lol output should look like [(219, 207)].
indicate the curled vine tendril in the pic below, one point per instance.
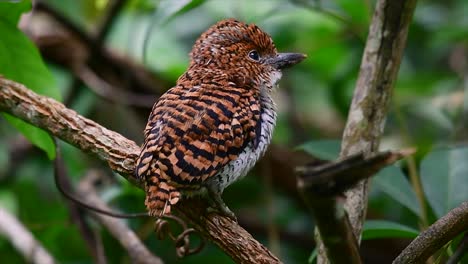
[(162, 226), (182, 240)]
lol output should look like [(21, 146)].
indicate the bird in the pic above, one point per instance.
[(211, 128)]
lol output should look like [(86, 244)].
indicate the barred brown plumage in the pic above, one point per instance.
[(211, 128)]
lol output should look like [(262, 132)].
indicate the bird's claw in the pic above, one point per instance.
[(218, 205), (225, 211)]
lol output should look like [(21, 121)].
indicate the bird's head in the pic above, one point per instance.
[(245, 53)]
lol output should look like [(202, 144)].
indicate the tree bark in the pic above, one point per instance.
[(121, 153), (366, 120), (436, 236), (137, 251), (23, 240)]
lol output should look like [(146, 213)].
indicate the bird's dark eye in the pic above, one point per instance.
[(254, 55)]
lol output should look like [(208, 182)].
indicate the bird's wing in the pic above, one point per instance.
[(192, 133)]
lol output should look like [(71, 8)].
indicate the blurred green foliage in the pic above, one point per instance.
[(21, 62), (428, 111)]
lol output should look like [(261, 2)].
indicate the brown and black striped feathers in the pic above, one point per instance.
[(192, 133), (213, 117)]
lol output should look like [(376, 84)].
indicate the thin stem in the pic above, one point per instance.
[(414, 176), (461, 250), (354, 29)]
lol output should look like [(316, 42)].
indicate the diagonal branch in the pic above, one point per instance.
[(436, 236), (137, 252), (46, 113), (89, 51), (23, 240), (121, 153), (77, 214), (322, 188)]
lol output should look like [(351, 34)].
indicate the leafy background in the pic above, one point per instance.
[(428, 112)]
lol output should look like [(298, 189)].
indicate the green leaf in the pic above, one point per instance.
[(10, 12), (444, 178), (384, 229), (21, 62), (324, 149), (37, 136), (393, 182)]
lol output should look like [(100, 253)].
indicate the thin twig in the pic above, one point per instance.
[(413, 173), (127, 238), (461, 250), (92, 240), (112, 67), (110, 17), (182, 240), (107, 92), (23, 240), (317, 7), (40, 5), (436, 236), (163, 229)]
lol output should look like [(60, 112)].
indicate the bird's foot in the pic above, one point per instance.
[(218, 206), (225, 211)]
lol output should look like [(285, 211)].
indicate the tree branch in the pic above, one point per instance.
[(23, 240), (78, 214), (128, 239), (322, 188), (52, 116), (110, 16), (121, 153), (379, 69), (436, 236), (366, 120), (89, 51)]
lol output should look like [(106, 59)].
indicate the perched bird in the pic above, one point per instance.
[(211, 128)]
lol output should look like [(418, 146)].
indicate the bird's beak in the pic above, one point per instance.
[(285, 60)]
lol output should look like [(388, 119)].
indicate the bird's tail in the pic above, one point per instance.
[(160, 196)]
